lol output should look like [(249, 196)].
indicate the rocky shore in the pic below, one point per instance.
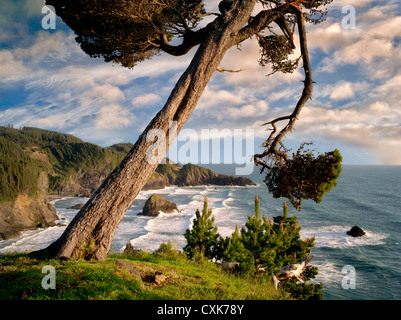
[(35, 162), (25, 213), (83, 184)]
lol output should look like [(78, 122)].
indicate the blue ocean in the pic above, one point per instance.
[(366, 196)]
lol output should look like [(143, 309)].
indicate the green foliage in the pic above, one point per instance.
[(168, 171), (292, 248), (256, 237), (267, 246), (71, 157), (275, 51), (18, 172), (121, 147), (304, 176), (304, 291), (202, 237), (21, 279), (67, 156), (126, 31), (28, 137), (167, 250), (231, 249)]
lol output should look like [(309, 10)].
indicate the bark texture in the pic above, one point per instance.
[(90, 233)]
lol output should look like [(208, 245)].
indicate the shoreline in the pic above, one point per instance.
[(52, 197)]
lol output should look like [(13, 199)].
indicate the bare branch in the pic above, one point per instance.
[(273, 142)]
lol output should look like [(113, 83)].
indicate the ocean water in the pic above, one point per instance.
[(367, 196)]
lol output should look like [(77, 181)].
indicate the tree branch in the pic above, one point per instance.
[(191, 39), (260, 22), (272, 142)]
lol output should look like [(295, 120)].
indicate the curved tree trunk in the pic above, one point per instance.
[(90, 233)]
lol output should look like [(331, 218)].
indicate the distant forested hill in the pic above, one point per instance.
[(56, 160), (33, 159), (35, 162)]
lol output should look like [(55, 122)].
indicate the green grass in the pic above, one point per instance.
[(21, 278)]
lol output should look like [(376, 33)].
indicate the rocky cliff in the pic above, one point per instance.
[(25, 213), (84, 183), (35, 161)]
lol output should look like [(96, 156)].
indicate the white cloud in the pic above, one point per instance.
[(102, 93), (330, 37), (146, 99), (364, 51), (10, 68), (374, 125), (113, 117), (374, 41), (94, 100), (212, 99), (52, 121), (342, 91), (248, 111)]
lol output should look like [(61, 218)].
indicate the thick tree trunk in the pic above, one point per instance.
[(90, 233)]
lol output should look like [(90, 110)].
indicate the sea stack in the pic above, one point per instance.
[(356, 232), (157, 203)]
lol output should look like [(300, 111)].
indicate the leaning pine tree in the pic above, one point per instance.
[(127, 32)]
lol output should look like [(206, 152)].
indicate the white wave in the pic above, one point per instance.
[(328, 273), (226, 231), (60, 199), (151, 241), (336, 237), (189, 191), (169, 222), (143, 232), (227, 201), (32, 240), (145, 194), (133, 225)]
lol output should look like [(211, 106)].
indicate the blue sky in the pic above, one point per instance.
[(46, 81)]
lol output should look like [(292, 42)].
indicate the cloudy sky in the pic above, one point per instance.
[(46, 81)]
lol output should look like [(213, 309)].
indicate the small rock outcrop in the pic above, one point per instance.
[(356, 232), (159, 278), (129, 267), (157, 203)]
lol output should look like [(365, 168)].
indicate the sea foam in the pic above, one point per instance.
[(336, 236)]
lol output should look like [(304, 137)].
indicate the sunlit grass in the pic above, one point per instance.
[(21, 278)]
